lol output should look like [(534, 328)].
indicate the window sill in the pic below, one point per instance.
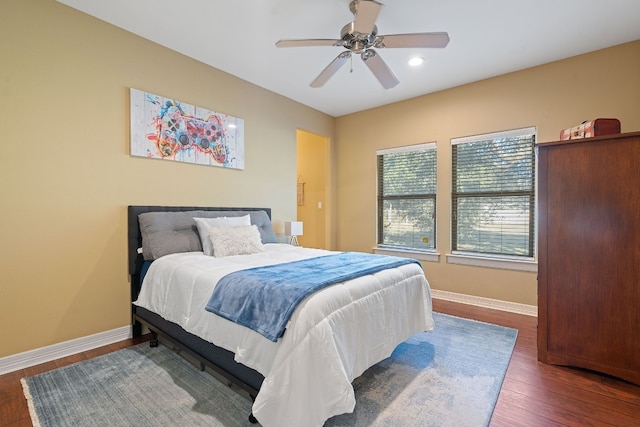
[(493, 262), (419, 255)]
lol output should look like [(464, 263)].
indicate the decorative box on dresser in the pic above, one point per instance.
[(589, 254)]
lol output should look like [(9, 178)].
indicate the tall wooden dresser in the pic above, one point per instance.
[(589, 254)]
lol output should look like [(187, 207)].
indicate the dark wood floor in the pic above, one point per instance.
[(533, 394)]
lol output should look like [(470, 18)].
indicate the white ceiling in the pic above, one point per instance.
[(488, 38)]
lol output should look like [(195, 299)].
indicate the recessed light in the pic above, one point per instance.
[(415, 61)]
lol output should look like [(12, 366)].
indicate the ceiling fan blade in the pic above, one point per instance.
[(413, 40), (366, 12), (331, 69), (379, 69), (308, 42)]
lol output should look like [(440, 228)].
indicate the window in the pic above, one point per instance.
[(493, 194), (407, 197)]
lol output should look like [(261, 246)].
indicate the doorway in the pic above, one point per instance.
[(312, 171)]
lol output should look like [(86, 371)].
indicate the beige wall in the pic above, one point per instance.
[(550, 97), (67, 176), (312, 159)]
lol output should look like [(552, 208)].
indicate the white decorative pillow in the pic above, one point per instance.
[(227, 241), (204, 224)]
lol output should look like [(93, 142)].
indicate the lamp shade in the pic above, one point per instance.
[(293, 228)]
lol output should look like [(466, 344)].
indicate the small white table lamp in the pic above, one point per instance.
[(293, 229)]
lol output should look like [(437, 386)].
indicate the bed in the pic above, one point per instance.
[(300, 377)]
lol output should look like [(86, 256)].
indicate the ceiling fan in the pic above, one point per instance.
[(361, 37)]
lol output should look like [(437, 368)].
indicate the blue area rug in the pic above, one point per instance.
[(450, 376)]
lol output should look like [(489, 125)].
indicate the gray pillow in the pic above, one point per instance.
[(166, 233)]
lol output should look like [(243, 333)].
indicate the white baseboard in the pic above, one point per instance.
[(67, 348), (512, 307), (63, 349)]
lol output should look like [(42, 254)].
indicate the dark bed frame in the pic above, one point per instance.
[(205, 353)]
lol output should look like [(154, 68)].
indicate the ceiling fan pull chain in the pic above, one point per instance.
[(351, 63)]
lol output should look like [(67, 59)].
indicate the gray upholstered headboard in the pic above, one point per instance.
[(185, 227)]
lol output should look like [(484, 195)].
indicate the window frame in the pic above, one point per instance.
[(382, 247), (464, 256)]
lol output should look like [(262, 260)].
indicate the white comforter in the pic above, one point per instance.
[(332, 338)]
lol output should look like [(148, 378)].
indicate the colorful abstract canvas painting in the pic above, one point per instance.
[(164, 128)]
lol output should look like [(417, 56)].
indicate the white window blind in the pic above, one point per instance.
[(493, 193), (407, 197)]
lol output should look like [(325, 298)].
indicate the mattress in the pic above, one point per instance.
[(332, 337)]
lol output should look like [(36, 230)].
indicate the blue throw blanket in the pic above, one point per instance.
[(264, 298)]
